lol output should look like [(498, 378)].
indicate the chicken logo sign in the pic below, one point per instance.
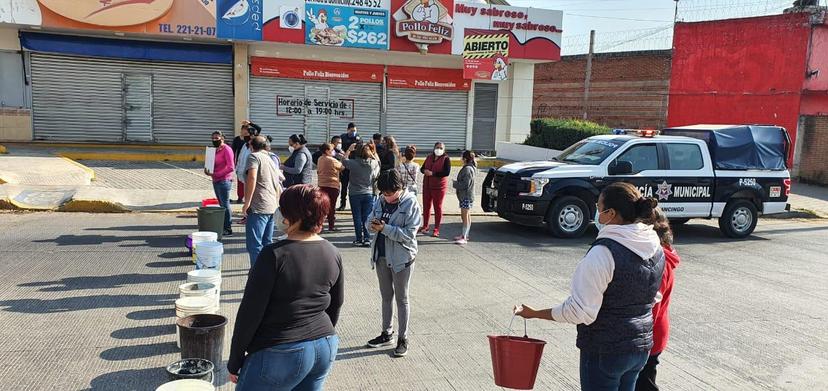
[(424, 22), (110, 13), (485, 55)]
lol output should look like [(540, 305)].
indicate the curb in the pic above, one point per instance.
[(88, 170), (795, 214), (138, 157)]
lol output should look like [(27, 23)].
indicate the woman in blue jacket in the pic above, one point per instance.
[(395, 218)]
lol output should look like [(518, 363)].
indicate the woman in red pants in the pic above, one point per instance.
[(436, 170)]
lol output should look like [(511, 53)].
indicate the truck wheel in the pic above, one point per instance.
[(739, 219), (568, 217), (678, 221)]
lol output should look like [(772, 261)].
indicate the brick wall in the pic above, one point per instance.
[(628, 90), (813, 166)]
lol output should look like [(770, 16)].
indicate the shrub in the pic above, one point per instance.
[(558, 133)]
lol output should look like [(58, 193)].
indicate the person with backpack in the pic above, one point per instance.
[(613, 291), (409, 169)]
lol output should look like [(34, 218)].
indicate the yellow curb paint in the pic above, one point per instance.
[(23, 205), (3, 150), (81, 166), (93, 206), (114, 146), (139, 157)]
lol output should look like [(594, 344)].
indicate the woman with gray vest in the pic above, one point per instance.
[(298, 167), (613, 291)]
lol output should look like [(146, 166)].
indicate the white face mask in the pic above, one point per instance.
[(331, 153), (339, 146), (598, 224), (439, 152), (291, 149)]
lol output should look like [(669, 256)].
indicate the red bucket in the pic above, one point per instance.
[(515, 360), (209, 201)]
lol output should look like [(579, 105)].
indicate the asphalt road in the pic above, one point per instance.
[(88, 304)]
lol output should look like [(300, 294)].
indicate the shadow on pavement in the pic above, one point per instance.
[(66, 304), (144, 331), (186, 262), (140, 228), (102, 282), (362, 351), (159, 313), (81, 240), (130, 379), (123, 353)]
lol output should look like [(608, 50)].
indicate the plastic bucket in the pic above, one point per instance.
[(191, 368), (515, 360), (212, 276), (202, 336), (198, 289), (211, 219), (209, 201), (208, 255), (200, 237), (187, 385)]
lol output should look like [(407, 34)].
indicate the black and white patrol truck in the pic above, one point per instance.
[(733, 173)]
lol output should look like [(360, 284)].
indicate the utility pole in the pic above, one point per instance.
[(675, 13), (588, 72)]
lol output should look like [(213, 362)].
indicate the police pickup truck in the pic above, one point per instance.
[(730, 172)]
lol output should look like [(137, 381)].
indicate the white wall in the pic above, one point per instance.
[(514, 103)]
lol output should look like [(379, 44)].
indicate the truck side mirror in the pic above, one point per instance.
[(620, 167)]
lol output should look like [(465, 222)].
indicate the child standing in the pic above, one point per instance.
[(409, 169), (464, 186)]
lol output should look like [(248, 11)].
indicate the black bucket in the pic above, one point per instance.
[(191, 368), (202, 336)]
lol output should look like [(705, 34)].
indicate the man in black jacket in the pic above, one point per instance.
[(348, 138)]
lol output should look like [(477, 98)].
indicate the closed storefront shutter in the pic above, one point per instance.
[(86, 99), (362, 101), (424, 117)]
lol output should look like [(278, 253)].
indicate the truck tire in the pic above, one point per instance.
[(568, 217), (739, 219)]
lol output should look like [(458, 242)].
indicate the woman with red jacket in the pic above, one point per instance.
[(436, 169), (661, 319)]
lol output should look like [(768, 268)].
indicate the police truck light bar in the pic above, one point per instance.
[(636, 132)]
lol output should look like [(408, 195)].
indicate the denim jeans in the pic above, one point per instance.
[(258, 233), (300, 366), (361, 205), (616, 372), (222, 190)]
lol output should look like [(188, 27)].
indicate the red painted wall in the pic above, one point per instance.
[(818, 60), (739, 71)]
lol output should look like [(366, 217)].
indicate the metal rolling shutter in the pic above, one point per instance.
[(191, 101), (76, 99), (263, 92), (423, 117), (81, 99)]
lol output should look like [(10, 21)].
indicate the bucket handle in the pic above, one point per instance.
[(525, 335)]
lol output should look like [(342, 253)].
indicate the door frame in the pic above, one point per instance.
[(472, 107)]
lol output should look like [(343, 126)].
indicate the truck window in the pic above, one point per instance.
[(642, 157), (685, 156), (589, 152)]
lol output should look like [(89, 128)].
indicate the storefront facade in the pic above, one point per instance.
[(393, 67)]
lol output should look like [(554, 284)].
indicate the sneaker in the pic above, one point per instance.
[(384, 339), (436, 233), (357, 243), (461, 241), (366, 243), (228, 232), (402, 347)]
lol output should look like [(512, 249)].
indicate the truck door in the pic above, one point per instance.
[(685, 186), (645, 162)]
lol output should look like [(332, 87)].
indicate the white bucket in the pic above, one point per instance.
[(202, 237), (198, 289), (186, 385), (208, 255), (211, 276)]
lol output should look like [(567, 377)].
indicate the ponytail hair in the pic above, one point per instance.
[(661, 225), (298, 139), (627, 201)]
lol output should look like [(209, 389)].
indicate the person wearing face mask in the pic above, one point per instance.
[(252, 130), (436, 169), (328, 171), (238, 143), (223, 176), (285, 335), (348, 138), (395, 219), (614, 289), (298, 167)]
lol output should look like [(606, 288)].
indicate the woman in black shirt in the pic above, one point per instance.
[(284, 337)]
